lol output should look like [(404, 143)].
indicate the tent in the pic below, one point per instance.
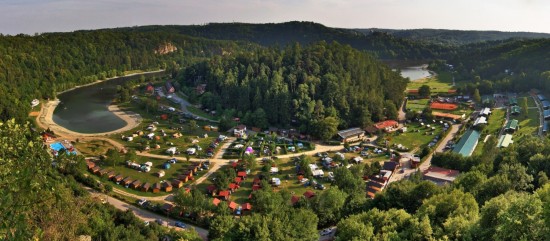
[(166, 165)]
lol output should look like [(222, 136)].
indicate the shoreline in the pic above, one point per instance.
[(45, 117), (100, 81)]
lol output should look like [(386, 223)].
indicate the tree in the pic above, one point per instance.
[(451, 214), (476, 97), (220, 226), (424, 91), (347, 182), (524, 108), (329, 205), (326, 128)]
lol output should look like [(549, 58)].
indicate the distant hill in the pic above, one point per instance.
[(453, 37), (384, 45)]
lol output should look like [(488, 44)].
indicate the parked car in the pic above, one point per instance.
[(160, 221), (146, 223), (180, 224), (142, 201)]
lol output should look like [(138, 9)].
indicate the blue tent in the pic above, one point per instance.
[(166, 165)]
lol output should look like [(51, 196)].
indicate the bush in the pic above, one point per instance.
[(332, 143)]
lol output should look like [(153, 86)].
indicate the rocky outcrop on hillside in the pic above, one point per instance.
[(165, 48)]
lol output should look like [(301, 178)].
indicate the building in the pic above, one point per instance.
[(387, 125), (505, 141), (467, 143), (512, 101), (546, 114), (169, 87), (351, 135), (440, 176), (239, 131), (512, 126), (545, 104), (545, 127), (485, 112), (480, 120), (515, 110), (541, 97), (145, 187)]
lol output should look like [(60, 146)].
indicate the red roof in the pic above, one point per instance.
[(451, 91), (309, 194), (247, 206), (216, 201), (233, 205), (234, 164), (233, 186), (211, 188), (443, 106), (385, 124), (413, 91), (241, 174), (294, 199), (224, 193), (442, 171), (256, 180), (238, 180), (256, 187)]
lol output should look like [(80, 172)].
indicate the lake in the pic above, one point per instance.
[(85, 109), (415, 72)]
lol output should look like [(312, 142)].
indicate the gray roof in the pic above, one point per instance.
[(350, 132)]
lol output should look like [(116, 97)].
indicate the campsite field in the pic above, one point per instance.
[(417, 104), (495, 122), (93, 148), (416, 136), (528, 125)]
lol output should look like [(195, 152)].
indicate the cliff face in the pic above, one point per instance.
[(165, 48)]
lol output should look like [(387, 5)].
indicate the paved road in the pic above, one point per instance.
[(426, 164), (148, 216)]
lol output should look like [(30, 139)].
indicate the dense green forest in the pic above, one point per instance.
[(301, 85), (518, 65), (41, 201), (453, 37), (39, 66), (382, 45)]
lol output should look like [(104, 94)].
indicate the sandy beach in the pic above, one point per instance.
[(45, 118), (45, 121)]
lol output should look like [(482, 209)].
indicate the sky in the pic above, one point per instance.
[(39, 16)]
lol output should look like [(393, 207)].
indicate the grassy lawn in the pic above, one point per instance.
[(200, 113), (416, 135), (93, 148), (495, 122), (417, 104), (438, 84), (150, 177), (528, 125)]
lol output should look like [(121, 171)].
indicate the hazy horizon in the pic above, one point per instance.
[(39, 16)]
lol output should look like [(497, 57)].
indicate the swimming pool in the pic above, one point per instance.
[(58, 146)]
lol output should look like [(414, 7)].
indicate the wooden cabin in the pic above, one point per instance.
[(145, 187), (156, 187)]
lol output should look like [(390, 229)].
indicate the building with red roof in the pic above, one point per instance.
[(241, 174), (211, 189), (294, 199), (233, 186), (238, 180), (233, 205), (224, 194), (247, 207), (387, 125), (216, 201), (440, 176), (309, 194)]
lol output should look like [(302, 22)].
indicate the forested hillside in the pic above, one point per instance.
[(509, 65), (383, 45), (454, 37), (302, 85), (39, 66), (40, 200)]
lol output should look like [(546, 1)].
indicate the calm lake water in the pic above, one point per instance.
[(415, 72), (85, 110)]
